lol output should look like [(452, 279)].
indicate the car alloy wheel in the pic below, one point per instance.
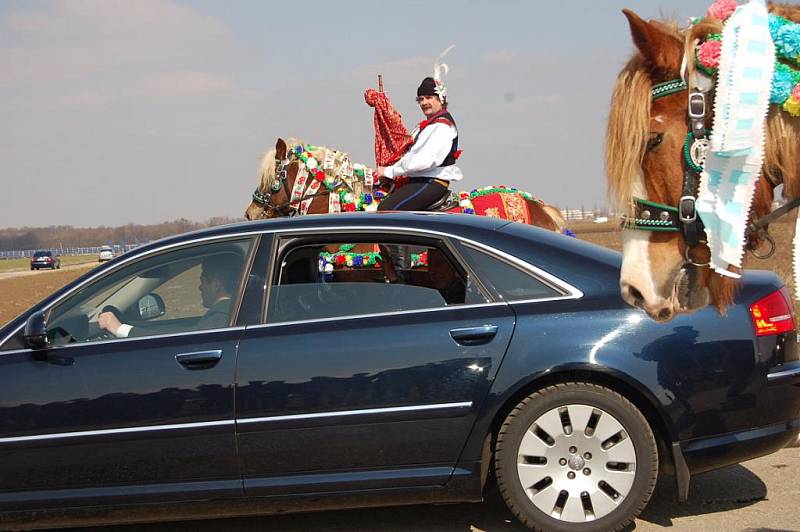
[(576, 456)]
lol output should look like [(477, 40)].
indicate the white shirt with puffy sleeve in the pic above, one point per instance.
[(426, 154)]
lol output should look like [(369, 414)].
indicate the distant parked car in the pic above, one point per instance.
[(106, 253), (45, 259)]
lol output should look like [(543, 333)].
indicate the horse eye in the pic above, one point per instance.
[(654, 140)]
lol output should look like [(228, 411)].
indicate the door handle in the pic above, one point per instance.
[(199, 359), (479, 335)]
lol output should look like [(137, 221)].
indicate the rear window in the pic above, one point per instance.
[(509, 281), (43, 254)]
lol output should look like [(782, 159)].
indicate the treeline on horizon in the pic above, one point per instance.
[(67, 236)]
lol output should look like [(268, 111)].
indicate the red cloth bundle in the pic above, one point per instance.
[(391, 137)]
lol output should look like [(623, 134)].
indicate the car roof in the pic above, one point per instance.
[(459, 224)]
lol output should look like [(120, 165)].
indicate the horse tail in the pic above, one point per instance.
[(555, 215)]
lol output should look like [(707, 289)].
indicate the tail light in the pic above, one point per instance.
[(773, 314)]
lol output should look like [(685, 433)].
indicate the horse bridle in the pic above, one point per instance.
[(281, 181), (264, 198), (652, 216)]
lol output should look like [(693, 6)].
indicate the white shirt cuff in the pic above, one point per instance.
[(123, 330), (389, 172)]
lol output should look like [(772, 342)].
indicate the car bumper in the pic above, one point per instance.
[(40, 265), (712, 453), (705, 454)]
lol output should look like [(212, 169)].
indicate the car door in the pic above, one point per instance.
[(353, 382), (150, 417)]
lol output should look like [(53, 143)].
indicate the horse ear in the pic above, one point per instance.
[(657, 45), (280, 149)]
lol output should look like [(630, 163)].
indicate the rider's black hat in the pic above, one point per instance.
[(427, 88)]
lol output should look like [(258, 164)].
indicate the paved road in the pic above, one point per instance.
[(760, 495)]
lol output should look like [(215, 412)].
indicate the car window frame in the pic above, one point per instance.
[(285, 241), (254, 235), (564, 289), (247, 264)]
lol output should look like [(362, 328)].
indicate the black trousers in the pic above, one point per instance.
[(416, 195)]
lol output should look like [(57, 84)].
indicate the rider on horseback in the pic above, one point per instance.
[(430, 162)]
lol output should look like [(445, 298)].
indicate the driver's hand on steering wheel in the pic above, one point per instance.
[(109, 322)]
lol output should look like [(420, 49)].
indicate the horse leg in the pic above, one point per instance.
[(387, 265)]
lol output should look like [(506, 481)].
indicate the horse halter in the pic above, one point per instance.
[(264, 199), (651, 216)]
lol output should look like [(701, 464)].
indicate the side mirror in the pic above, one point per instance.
[(35, 333), (151, 306)]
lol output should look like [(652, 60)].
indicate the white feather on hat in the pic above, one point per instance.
[(439, 69)]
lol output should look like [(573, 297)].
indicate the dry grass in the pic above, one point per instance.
[(17, 294)]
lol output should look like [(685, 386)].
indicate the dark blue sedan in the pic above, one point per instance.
[(378, 359)]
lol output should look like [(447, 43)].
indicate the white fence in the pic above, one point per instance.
[(586, 214), (92, 250)]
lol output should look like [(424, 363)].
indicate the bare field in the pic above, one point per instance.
[(21, 292), (23, 264)]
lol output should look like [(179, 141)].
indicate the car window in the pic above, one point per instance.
[(512, 283), (315, 281), (42, 254), (189, 289)]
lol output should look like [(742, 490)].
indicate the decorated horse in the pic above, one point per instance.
[(296, 178), (697, 180)]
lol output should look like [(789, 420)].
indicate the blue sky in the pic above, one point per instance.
[(144, 111)]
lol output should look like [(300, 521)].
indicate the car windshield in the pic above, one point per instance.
[(42, 254)]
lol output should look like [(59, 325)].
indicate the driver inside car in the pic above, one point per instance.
[(217, 284)]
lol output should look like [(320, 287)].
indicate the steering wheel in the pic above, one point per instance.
[(104, 334), (115, 311)]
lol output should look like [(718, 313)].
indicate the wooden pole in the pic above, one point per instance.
[(380, 83)]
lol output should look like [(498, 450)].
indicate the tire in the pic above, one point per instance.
[(561, 440)]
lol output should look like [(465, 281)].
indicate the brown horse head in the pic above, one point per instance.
[(644, 159), (276, 177)]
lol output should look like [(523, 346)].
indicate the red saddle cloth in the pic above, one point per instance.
[(391, 137), (498, 205)]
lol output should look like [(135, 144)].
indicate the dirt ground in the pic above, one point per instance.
[(757, 496), (21, 290)]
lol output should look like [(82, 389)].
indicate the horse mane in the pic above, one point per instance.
[(626, 135), (266, 168)]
